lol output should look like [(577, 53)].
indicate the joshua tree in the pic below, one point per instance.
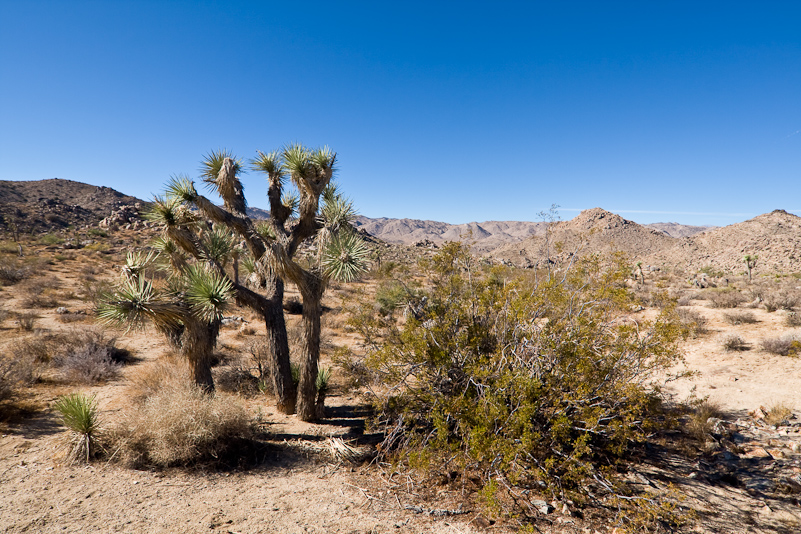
[(187, 311), (639, 271), (750, 262), (340, 253)]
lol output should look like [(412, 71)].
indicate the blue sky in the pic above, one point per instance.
[(450, 111)]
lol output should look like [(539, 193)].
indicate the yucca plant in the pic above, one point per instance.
[(345, 257), (322, 383), (188, 312), (79, 414), (319, 214)]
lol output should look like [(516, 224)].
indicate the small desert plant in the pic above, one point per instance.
[(181, 425), (38, 297), (793, 319), (26, 321), (781, 300), (694, 321), (698, 424), (782, 346), (323, 383), (14, 372), (10, 274), (733, 342), (724, 298), (51, 239), (740, 317), (79, 414), (68, 318), (778, 414), (89, 357), (236, 379)]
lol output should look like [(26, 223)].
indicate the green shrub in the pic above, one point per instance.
[(51, 239), (533, 380), (97, 232), (79, 414)]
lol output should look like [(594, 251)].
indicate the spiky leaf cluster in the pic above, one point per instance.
[(135, 302), (218, 245), (170, 211), (345, 257), (207, 292)]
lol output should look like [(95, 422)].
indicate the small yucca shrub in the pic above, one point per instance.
[(79, 414)]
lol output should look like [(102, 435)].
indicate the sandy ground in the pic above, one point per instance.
[(294, 492)]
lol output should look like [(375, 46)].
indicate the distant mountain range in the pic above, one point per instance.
[(48, 205)]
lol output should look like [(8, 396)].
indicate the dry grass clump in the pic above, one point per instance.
[(178, 425), (15, 373), (69, 318), (146, 380), (782, 299), (699, 425), (236, 379), (789, 345), (26, 321), (12, 272), (733, 342), (779, 414), (724, 298), (740, 317), (793, 319), (694, 321)]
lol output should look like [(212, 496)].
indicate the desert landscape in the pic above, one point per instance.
[(723, 454)]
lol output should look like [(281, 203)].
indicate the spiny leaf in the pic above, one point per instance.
[(207, 293), (345, 257)]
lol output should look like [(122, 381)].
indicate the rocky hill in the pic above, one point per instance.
[(485, 236), (47, 205), (679, 230), (774, 237), (591, 231)]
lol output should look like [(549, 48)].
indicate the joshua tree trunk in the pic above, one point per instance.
[(280, 367), (307, 388), (197, 347)]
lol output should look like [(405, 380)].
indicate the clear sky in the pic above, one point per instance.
[(450, 111)]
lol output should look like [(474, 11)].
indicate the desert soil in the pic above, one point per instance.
[(297, 488)]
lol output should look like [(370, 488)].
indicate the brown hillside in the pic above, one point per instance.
[(679, 230), (484, 236), (591, 231), (46, 205), (774, 237)]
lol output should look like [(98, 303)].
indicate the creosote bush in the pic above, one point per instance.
[(529, 382)]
